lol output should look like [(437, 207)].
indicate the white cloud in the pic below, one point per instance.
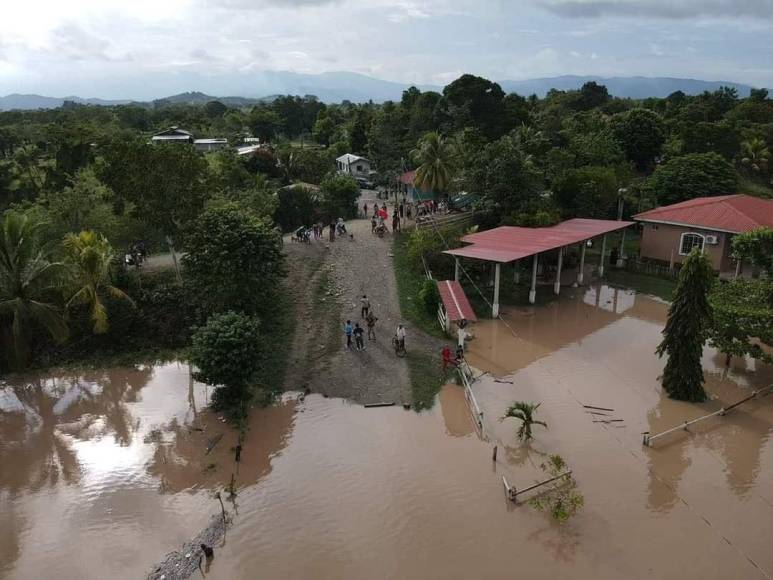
[(661, 8)]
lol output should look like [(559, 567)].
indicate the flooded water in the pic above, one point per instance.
[(101, 475)]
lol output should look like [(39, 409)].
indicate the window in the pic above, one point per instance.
[(359, 168), (690, 241)]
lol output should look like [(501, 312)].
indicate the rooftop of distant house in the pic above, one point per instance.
[(348, 158), (726, 213)]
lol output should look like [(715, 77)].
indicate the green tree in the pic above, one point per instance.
[(524, 412), (756, 247), (226, 353), (592, 95), (339, 196), (167, 185), (358, 137), (561, 498), (297, 205), (264, 123), (234, 260), (742, 318), (755, 156), (589, 192), (472, 101), (641, 134), (691, 176), (29, 285), (435, 159), (90, 258), (215, 109), (686, 330), (323, 130)]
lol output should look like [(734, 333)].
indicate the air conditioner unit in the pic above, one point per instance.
[(712, 240)]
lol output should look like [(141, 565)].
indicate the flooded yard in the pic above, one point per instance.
[(102, 474)]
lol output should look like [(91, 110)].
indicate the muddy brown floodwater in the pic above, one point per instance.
[(102, 475)]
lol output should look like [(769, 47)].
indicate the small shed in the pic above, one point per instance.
[(454, 305)]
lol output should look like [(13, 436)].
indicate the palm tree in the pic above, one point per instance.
[(524, 412), (435, 158), (28, 283), (755, 154), (90, 256)]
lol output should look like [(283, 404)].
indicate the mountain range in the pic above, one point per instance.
[(334, 87)]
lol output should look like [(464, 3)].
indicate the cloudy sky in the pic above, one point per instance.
[(124, 48)]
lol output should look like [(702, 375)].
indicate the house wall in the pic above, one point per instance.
[(658, 241)]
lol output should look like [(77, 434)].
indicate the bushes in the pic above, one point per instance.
[(691, 176), (234, 260), (226, 353), (429, 297), (339, 196)]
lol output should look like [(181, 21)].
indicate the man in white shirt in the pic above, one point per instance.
[(400, 334)]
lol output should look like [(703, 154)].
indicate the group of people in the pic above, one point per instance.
[(430, 207), (355, 332), (335, 228), (380, 215)]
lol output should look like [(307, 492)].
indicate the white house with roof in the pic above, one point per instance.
[(353, 165), (172, 135)]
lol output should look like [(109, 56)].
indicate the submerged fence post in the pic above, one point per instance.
[(494, 457)]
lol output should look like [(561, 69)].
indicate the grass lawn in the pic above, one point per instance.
[(426, 378), (409, 283)]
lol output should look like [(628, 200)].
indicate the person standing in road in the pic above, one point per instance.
[(365, 303), (358, 332), (332, 230), (365, 210), (402, 211), (371, 320), (348, 330)]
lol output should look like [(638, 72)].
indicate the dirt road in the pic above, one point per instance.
[(328, 280)]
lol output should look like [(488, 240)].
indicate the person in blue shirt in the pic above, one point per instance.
[(349, 330)]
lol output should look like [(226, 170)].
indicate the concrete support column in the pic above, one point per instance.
[(738, 269), (516, 272), (456, 269), (603, 251), (581, 271), (621, 256), (495, 307), (557, 283), (533, 289)]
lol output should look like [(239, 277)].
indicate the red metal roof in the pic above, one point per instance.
[(508, 243), (407, 177), (455, 301), (729, 213)]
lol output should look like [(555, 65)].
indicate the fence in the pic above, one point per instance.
[(648, 439), (463, 369), (513, 493), (444, 221), (652, 269)]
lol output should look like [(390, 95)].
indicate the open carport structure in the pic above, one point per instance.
[(507, 244)]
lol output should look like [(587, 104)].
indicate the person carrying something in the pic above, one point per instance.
[(348, 330), (371, 320), (358, 332), (365, 303), (448, 359), (400, 336)]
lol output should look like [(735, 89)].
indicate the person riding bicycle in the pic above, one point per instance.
[(400, 336)]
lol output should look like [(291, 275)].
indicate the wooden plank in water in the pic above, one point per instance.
[(372, 405), (598, 408)]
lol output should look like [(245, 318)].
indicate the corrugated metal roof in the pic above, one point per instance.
[(213, 141), (455, 301), (508, 243), (729, 213)]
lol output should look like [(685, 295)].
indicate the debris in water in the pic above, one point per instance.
[(183, 564)]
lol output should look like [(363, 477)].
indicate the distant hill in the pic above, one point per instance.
[(17, 101), (334, 87), (626, 87)]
